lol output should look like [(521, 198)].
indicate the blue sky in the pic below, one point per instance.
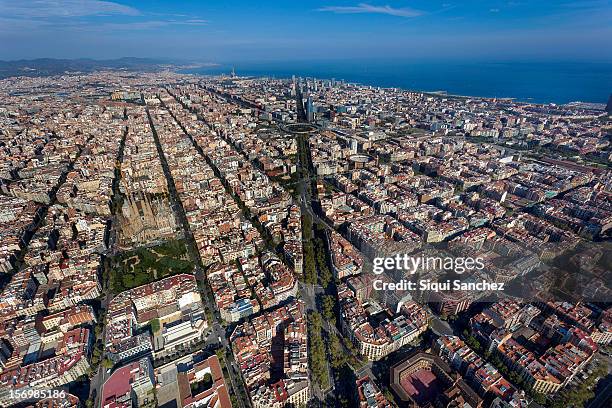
[(251, 30)]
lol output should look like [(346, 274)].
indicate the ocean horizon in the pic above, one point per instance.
[(536, 82)]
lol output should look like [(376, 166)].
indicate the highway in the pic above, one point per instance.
[(299, 103), (305, 185)]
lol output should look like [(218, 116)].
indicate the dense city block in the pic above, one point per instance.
[(186, 241)]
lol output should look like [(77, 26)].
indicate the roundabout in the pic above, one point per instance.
[(299, 128)]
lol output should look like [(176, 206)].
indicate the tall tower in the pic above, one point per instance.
[(309, 109)]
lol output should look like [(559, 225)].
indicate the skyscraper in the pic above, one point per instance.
[(309, 109)]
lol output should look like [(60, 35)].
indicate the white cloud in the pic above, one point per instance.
[(150, 25), (195, 21), (66, 15), (63, 8), (136, 25), (494, 10), (363, 8)]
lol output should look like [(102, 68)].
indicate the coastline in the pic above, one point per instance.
[(529, 83)]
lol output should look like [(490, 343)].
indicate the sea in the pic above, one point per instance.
[(535, 82)]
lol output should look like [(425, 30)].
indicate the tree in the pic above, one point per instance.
[(326, 276), (307, 225), (155, 325), (317, 349), (107, 363), (329, 304), (338, 357), (581, 393), (388, 395), (473, 343), (539, 398), (207, 378), (310, 271)]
